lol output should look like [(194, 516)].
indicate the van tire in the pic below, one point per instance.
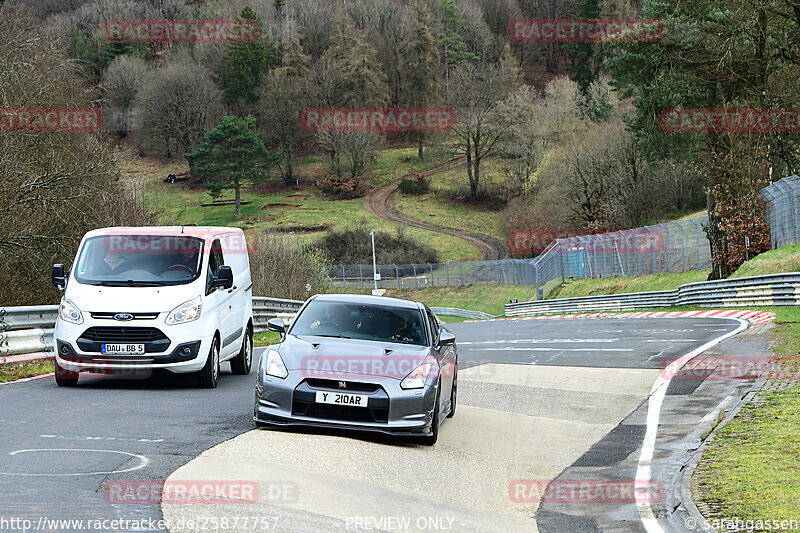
[(207, 377), (241, 364), (65, 378)]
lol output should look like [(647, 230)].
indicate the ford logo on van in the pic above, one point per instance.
[(123, 317)]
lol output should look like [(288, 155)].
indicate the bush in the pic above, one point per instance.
[(282, 269), (415, 184), (354, 246)]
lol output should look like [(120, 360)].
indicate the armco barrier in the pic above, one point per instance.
[(463, 313), (759, 291), (25, 330)]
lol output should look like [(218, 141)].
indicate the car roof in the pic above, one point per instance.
[(365, 299), (191, 231)]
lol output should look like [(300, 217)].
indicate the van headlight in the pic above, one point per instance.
[(186, 312), (69, 312), (275, 366)]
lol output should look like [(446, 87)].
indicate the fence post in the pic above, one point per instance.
[(397, 275), (433, 283), (416, 281), (669, 259), (344, 277), (447, 272), (536, 278), (461, 265), (683, 248), (560, 259)]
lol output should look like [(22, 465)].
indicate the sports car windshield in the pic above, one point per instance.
[(139, 260), (359, 321)]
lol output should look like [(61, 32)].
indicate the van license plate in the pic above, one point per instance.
[(342, 398), (122, 349)]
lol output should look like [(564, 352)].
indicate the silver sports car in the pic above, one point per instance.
[(360, 362)]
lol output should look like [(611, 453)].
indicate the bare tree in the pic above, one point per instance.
[(122, 82), (176, 107), (475, 93)]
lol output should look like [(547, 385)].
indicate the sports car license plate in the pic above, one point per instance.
[(342, 398), (122, 349)]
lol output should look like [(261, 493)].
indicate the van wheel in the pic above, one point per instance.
[(207, 377), (240, 365), (65, 378)]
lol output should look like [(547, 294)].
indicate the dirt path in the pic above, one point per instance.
[(380, 204)]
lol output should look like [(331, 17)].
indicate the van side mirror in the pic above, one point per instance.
[(276, 325), (58, 278), (446, 338), (224, 278)]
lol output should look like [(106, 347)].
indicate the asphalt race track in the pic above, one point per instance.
[(538, 400)]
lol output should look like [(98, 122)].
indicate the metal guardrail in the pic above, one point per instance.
[(463, 313), (759, 291), (25, 330)]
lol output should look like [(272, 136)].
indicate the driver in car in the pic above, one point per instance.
[(185, 259), (404, 332)]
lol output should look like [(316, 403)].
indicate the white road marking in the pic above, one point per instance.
[(657, 393), (143, 462), (535, 341), (514, 349), (81, 437)]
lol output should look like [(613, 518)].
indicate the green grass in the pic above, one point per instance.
[(300, 212), (394, 163), (265, 338), (12, 372), (437, 207), (751, 469), (784, 259), (487, 298), (655, 282)]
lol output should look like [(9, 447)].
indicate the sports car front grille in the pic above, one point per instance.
[(336, 413), (349, 386)]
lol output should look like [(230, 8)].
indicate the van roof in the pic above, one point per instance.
[(192, 231)]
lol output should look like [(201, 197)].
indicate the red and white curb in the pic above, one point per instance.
[(755, 318)]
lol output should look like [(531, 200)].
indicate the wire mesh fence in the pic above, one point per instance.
[(783, 211), (504, 272)]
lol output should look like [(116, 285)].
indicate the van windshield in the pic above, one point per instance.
[(139, 260)]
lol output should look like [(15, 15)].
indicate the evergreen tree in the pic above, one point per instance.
[(419, 66), (454, 49), (245, 64), (232, 155), (584, 71)]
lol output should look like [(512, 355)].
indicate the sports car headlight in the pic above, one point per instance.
[(417, 378), (275, 366), (69, 312), (186, 312)]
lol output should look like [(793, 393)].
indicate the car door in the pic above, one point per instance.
[(444, 355), (219, 301)]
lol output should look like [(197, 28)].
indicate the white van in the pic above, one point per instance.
[(140, 299)]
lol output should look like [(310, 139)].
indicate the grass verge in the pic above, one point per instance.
[(784, 259), (12, 372), (487, 298), (265, 338), (654, 282), (751, 469)]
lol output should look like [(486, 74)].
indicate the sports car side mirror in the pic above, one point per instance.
[(446, 339), (276, 325)]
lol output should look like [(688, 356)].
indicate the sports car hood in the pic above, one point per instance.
[(331, 358)]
